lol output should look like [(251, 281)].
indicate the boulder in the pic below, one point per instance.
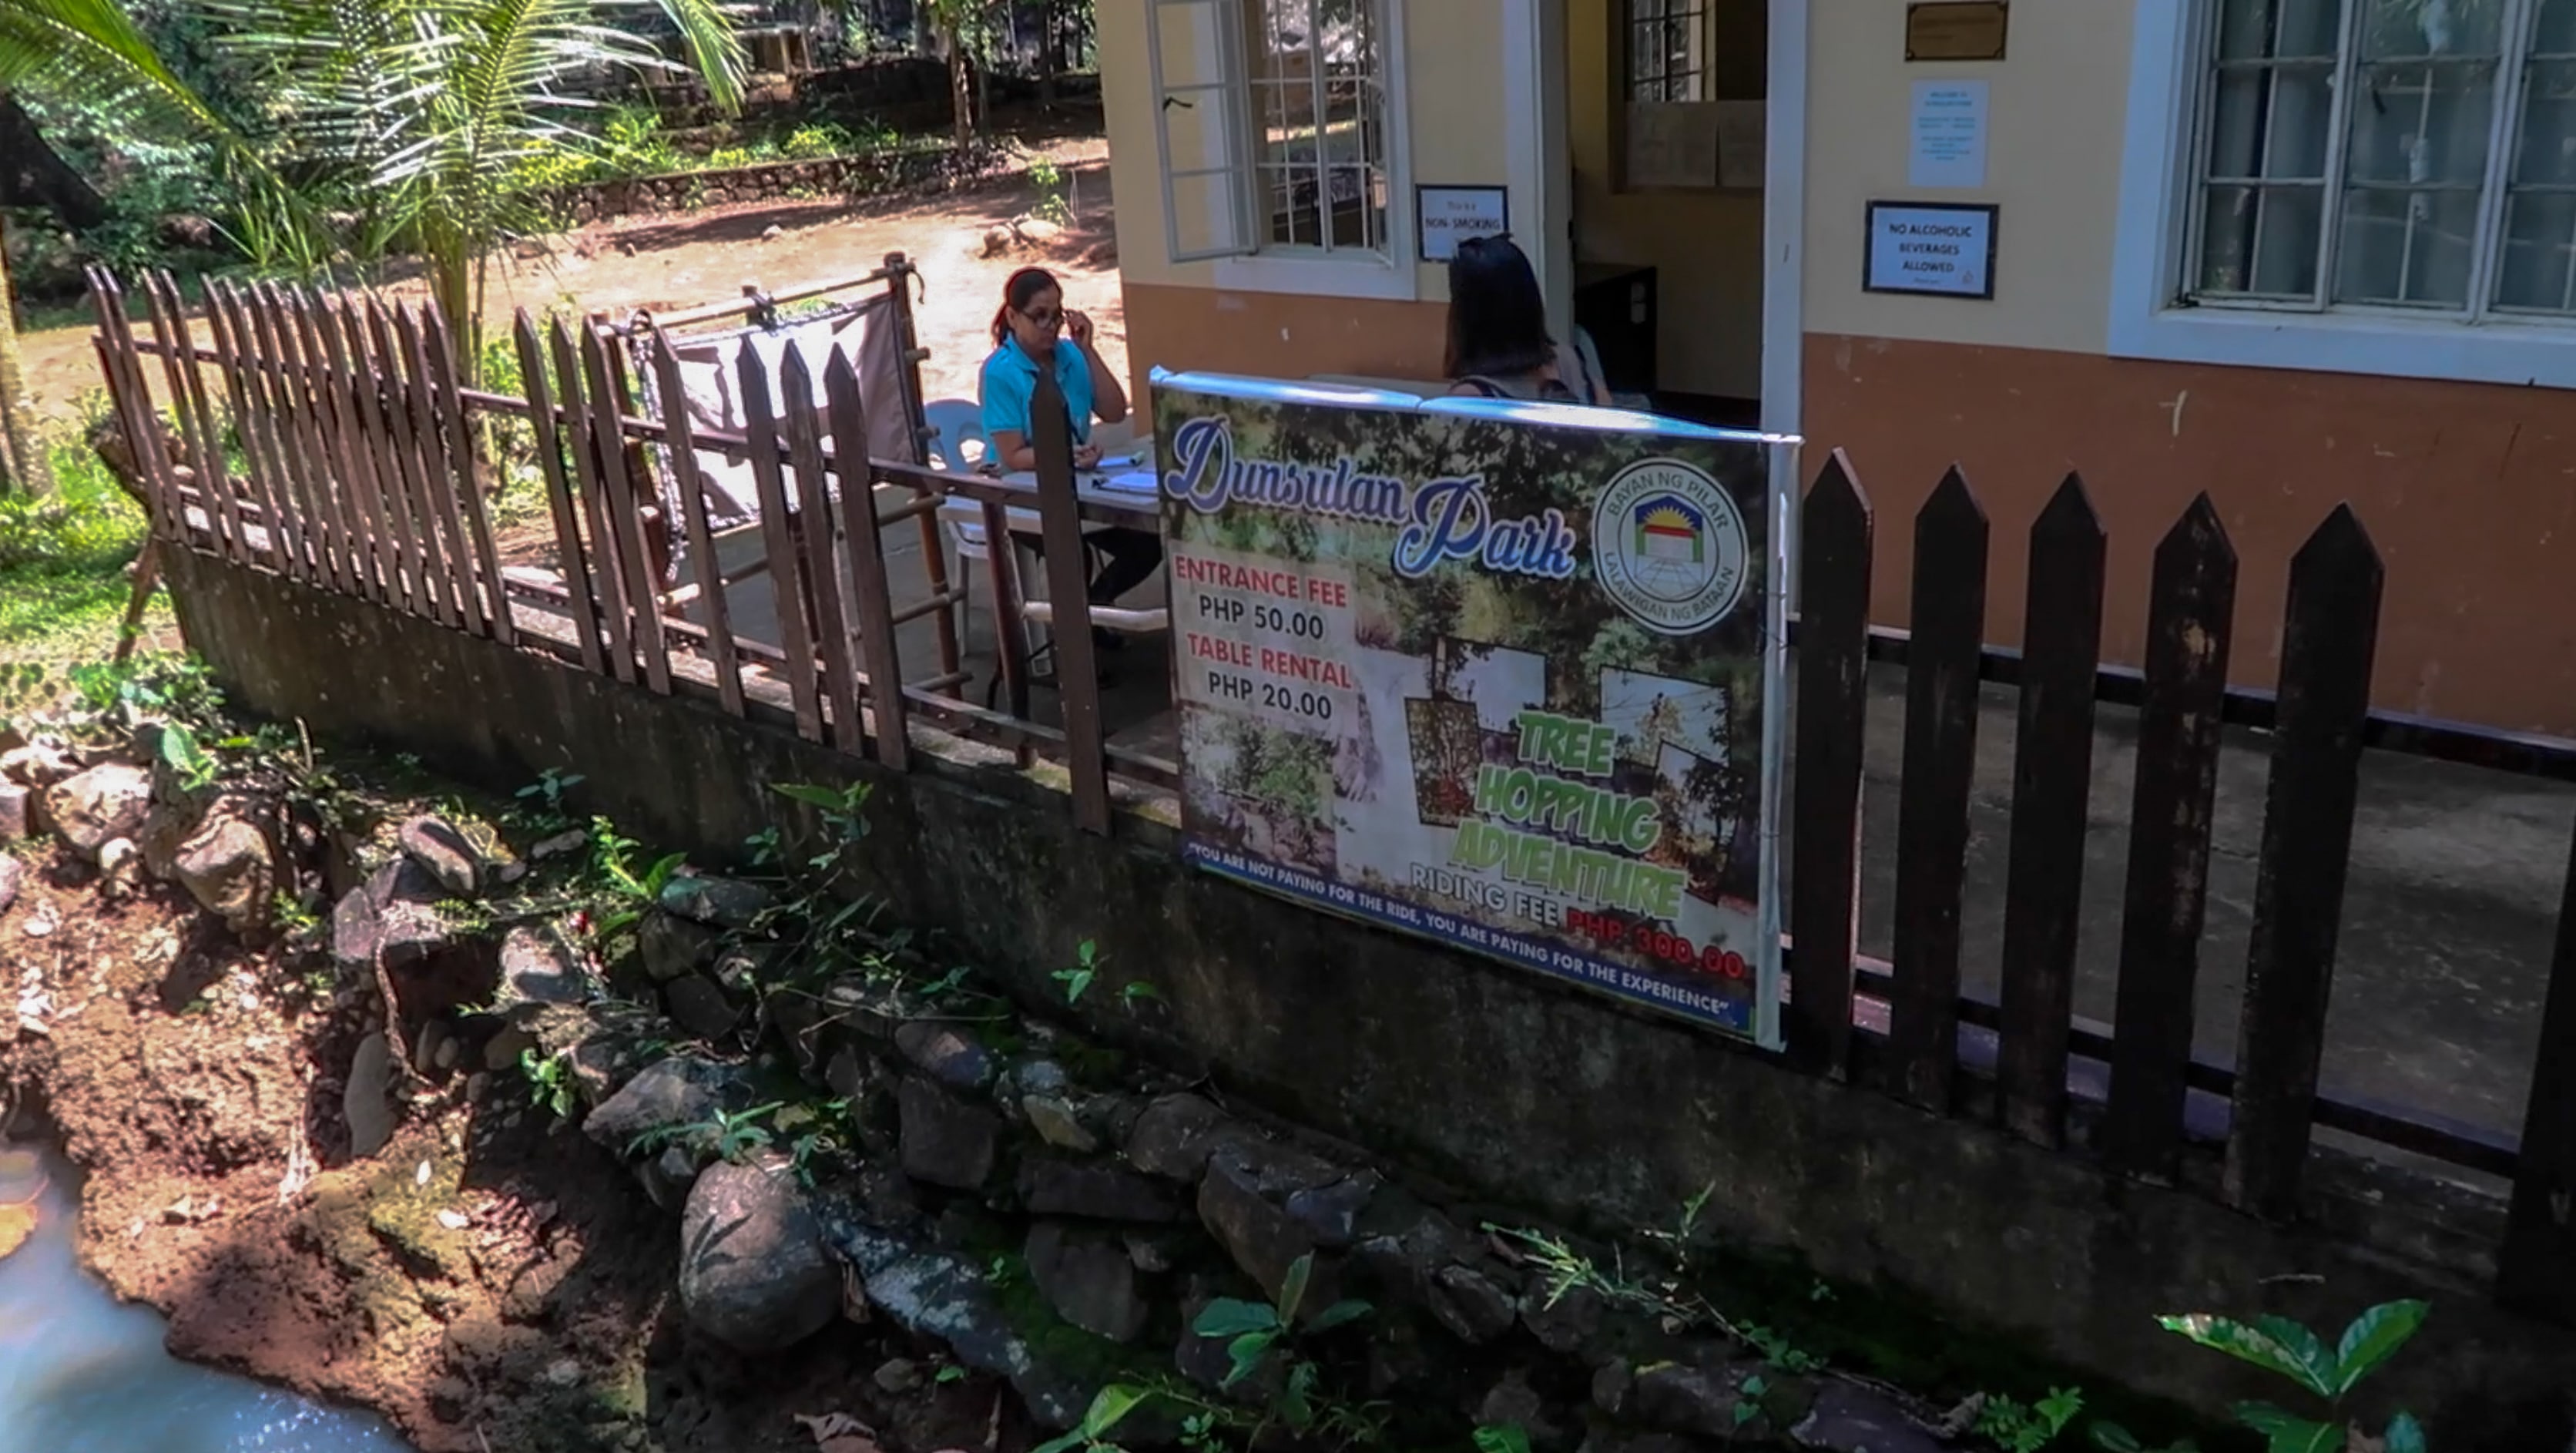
[(754, 1273), (1054, 1187), (538, 969), (1176, 1135), (668, 1093), (1467, 1302), (13, 874), (671, 946), (443, 853), (718, 902), (1261, 1237), (1057, 1124), (700, 1008), (17, 814), (1697, 1397), (946, 1055), (942, 1295), (227, 866), (1331, 1213), (38, 765), (367, 1099), (1563, 1324), (1850, 1419), (1088, 1278), (389, 921), (946, 1143), (93, 808), (120, 863)]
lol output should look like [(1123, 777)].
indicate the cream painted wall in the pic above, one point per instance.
[(1455, 114), (1705, 247), (2058, 102)]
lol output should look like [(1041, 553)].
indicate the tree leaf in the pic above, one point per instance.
[(2253, 1344), (2287, 1432), (2316, 1364), (1112, 1404), (1230, 1317), (1502, 1438), (1292, 1288), (1337, 1314), (2372, 1339), (1246, 1352), (2404, 1434)]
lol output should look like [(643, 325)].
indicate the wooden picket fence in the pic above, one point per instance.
[(360, 479)]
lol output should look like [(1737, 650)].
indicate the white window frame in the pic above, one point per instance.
[(2159, 172), (1254, 265)]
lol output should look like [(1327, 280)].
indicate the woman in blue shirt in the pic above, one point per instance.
[(1035, 330)]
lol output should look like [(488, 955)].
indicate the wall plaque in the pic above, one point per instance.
[(1956, 30)]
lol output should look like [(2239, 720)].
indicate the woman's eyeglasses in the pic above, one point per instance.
[(1044, 317)]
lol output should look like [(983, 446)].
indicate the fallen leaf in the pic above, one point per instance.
[(838, 1433)]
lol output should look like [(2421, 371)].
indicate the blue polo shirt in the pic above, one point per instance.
[(1011, 384)]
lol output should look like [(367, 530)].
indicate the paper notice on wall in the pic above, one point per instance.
[(1949, 135), (1673, 143), (1741, 150)]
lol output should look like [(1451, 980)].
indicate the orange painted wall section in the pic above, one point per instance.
[(2468, 490), (1280, 335)]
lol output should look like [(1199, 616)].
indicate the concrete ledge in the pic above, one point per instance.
[(1531, 1094)]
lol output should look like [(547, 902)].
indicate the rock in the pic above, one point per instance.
[(1849, 1419), (367, 1099), (503, 1049), (38, 765), (1056, 1123), (1467, 1302), (1565, 1324), (389, 920), (720, 902), (754, 1274), (942, 1295), (671, 946), (573, 840), (668, 1178), (1688, 1397), (1331, 1213), (1513, 1403), (536, 968), (106, 802), (1153, 1255), (700, 1008), (120, 862), (1400, 1263), (671, 1092), (899, 1375), (13, 873), (1053, 1187), (946, 1143), (1612, 1382), (17, 821), (1041, 1077), (443, 853), (227, 866), (1260, 1237), (1088, 1279), (944, 1054), (1176, 1135), (434, 1037)]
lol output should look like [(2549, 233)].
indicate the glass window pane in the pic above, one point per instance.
[(2406, 247), (2421, 123), (2261, 241), (2538, 268), (2391, 28), (2271, 122), (2553, 28), (2259, 29), (2545, 149)]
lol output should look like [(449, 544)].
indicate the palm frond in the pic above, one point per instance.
[(92, 48)]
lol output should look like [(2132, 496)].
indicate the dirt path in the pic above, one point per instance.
[(671, 261)]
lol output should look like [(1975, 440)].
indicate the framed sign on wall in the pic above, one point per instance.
[(1445, 216), (1942, 249)]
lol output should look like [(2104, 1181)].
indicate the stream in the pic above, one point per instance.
[(82, 1373)]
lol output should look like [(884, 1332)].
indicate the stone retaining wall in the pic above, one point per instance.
[(1505, 1084), (843, 176)]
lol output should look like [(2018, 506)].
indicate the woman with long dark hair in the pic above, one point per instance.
[(1499, 345), (1035, 330)]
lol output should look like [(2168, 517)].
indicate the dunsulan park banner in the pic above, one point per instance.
[(1501, 675)]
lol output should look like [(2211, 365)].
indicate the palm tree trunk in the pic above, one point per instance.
[(22, 454), (961, 89)]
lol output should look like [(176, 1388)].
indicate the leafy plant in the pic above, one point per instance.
[(1109, 1407), (2291, 1350), (1086, 967), (1137, 993), (734, 1135), (2017, 1427), (613, 857), (1251, 1329), (2112, 1438), (1502, 1438), (545, 809), (550, 1082), (1777, 1350), (1748, 1398)]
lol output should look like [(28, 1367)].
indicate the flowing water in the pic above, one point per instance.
[(82, 1373)]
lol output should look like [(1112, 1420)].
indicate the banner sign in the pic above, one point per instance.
[(1501, 674)]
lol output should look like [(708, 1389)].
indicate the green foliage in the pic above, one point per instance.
[(64, 557), (544, 808), (734, 1135), (2018, 1427), (1503, 1438), (1048, 178), (1086, 967), (550, 1083), (1251, 1329), (2293, 1351)]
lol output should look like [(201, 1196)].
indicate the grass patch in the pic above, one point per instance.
[(64, 562)]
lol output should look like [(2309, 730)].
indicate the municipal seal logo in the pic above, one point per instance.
[(1669, 546)]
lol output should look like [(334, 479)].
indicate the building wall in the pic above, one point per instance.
[(2469, 490), (1183, 315)]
